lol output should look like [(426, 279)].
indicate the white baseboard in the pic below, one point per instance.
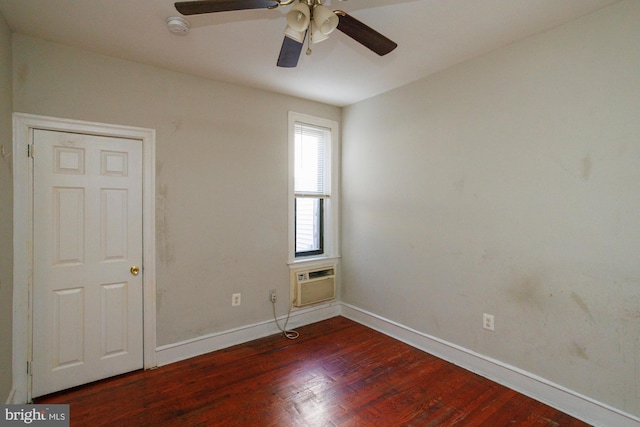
[(205, 344), (545, 391), (11, 398), (554, 395)]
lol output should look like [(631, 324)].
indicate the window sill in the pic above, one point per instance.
[(313, 260)]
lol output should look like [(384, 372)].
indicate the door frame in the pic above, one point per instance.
[(23, 126)]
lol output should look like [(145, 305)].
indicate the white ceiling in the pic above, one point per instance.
[(242, 47)]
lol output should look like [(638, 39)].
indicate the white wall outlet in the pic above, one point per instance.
[(236, 299), (273, 296), (488, 322)]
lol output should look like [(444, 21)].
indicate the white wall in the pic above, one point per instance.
[(222, 206), (510, 185), (6, 211)]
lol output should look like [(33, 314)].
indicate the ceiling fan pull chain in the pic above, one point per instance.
[(309, 51)]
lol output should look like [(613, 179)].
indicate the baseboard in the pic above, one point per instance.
[(554, 395), (175, 352), (11, 398)]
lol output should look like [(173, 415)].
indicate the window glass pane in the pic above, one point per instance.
[(308, 226), (309, 159)]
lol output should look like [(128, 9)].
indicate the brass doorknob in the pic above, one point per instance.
[(135, 270)]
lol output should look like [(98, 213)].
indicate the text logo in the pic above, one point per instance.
[(35, 415)]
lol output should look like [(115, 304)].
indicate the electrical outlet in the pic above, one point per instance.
[(488, 322), (272, 295), (236, 299)]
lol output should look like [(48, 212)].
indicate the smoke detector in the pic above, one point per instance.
[(178, 25)]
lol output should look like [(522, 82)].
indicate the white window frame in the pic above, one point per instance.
[(332, 204)]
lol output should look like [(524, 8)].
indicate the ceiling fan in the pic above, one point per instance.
[(306, 17)]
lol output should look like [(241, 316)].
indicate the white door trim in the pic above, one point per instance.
[(23, 126)]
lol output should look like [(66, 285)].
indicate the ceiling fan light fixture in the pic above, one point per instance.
[(299, 17), (294, 35), (326, 21), (317, 36)]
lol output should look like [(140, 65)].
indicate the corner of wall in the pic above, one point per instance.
[(6, 209)]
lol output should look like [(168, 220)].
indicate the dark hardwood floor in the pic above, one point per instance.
[(338, 373)]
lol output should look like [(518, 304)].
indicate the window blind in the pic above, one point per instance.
[(310, 178)]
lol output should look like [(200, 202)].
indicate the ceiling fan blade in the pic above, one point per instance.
[(290, 53), (208, 6), (364, 34)]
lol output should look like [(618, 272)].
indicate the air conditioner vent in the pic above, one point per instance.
[(321, 273), (313, 286)]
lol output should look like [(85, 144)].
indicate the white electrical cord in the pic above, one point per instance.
[(292, 335)]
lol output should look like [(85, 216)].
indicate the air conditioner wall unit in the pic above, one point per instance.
[(314, 285)]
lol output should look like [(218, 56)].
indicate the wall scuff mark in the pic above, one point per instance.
[(583, 306), (579, 351), (164, 247)]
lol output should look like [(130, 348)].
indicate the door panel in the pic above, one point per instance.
[(114, 224), (114, 313), (87, 305), (68, 327), (68, 226)]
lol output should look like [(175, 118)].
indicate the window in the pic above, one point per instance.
[(313, 197), (310, 188)]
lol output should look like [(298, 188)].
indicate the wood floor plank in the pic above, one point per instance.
[(338, 373)]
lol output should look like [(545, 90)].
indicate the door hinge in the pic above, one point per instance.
[(30, 150), (29, 368)]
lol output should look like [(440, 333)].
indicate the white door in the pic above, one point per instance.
[(87, 228)]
